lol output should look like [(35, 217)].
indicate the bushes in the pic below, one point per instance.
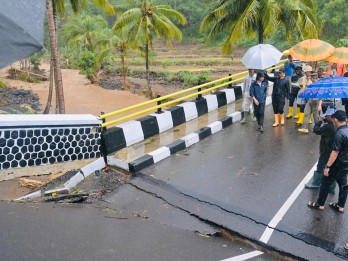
[(88, 65), (2, 84)]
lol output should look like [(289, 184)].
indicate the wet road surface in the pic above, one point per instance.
[(240, 178), (100, 231)]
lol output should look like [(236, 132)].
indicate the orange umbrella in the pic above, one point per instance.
[(340, 55), (311, 50)]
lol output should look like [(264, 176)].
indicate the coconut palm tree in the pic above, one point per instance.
[(109, 42), (146, 20), (81, 30), (58, 6), (262, 17)]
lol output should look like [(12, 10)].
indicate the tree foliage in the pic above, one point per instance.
[(261, 17)]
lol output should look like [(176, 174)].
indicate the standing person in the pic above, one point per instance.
[(258, 92), (293, 92), (303, 82), (313, 106), (326, 129), (336, 168), (289, 68), (345, 100), (336, 69), (247, 100), (320, 73), (281, 90)]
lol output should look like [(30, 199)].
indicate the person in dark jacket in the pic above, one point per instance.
[(280, 93), (258, 92), (325, 128), (336, 168), (293, 93)]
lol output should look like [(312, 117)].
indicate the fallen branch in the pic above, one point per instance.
[(30, 183)]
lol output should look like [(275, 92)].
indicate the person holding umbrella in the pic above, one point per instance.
[(289, 68), (281, 90), (258, 92)]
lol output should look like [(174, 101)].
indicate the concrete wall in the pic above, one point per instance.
[(34, 140)]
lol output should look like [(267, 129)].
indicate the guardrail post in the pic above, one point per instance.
[(199, 97), (230, 84), (159, 110), (102, 143)]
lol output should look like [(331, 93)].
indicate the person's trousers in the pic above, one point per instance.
[(247, 104), (278, 105), (323, 158), (335, 175), (259, 111), (293, 96), (311, 107)]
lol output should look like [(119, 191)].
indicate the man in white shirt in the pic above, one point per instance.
[(247, 100)]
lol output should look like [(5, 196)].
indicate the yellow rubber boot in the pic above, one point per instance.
[(282, 121), (297, 113), (310, 118), (276, 120), (300, 119), (291, 110)]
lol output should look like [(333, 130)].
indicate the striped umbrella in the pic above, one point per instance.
[(311, 50), (340, 55)]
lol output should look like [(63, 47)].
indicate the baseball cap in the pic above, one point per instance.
[(259, 75), (282, 70), (314, 75), (340, 115), (328, 112)]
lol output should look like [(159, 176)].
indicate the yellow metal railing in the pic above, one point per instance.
[(174, 95)]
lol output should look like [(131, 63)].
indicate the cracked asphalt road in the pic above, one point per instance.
[(238, 179)]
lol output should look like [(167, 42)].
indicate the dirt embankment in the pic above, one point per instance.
[(81, 97)]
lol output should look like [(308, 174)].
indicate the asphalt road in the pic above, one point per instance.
[(240, 179), (99, 231)]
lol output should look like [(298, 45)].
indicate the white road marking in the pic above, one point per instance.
[(244, 256), (282, 211)]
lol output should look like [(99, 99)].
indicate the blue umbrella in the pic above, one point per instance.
[(326, 88)]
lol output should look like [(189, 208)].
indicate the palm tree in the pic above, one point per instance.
[(81, 30), (146, 20), (53, 6), (109, 43), (262, 17), (60, 103)]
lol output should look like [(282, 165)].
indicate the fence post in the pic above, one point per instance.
[(159, 110), (199, 97), (230, 84), (102, 142)]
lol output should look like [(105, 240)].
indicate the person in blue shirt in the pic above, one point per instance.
[(289, 68), (258, 92)]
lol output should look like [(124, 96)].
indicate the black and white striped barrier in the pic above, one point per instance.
[(129, 133)]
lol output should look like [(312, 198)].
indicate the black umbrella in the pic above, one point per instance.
[(21, 29)]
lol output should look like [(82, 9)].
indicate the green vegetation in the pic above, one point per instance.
[(117, 36), (2, 84)]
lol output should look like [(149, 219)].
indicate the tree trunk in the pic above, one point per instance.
[(148, 70), (50, 90), (260, 31), (55, 54), (123, 70)]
